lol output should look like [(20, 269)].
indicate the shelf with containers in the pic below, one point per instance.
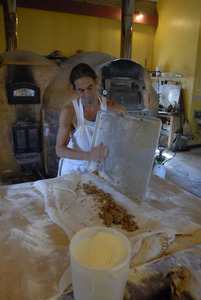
[(172, 123), (169, 90)]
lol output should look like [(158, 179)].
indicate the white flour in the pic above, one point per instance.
[(37, 254), (34, 237)]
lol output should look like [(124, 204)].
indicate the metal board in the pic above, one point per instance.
[(132, 142)]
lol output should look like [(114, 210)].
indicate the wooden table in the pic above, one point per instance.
[(34, 250), (175, 125)]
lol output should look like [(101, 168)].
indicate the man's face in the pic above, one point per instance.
[(86, 89)]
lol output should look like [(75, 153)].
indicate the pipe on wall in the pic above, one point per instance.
[(11, 24), (126, 28)]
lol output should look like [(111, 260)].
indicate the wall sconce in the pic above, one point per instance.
[(139, 16)]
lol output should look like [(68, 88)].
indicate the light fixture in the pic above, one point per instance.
[(139, 17)]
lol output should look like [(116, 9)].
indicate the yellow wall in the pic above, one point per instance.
[(43, 32), (175, 47), (196, 103), (2, 34), (142, 48)]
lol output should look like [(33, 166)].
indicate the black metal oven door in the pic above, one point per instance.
[(23, 93), (26, 138)]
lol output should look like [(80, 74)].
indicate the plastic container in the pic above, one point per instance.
[(97, 283), (159, 71), (159, 170), (186, 129)]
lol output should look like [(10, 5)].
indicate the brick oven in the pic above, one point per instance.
[(24, 77)]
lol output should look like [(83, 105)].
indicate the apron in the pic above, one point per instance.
[(80, 139)]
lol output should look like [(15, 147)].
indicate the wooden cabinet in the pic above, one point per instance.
[(171, 124)]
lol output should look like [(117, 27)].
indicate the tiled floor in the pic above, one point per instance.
[(184, 169)]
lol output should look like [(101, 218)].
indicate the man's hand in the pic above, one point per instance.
[(99, 153)]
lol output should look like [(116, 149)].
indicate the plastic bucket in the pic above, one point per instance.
[(159, 170), (99, 283)]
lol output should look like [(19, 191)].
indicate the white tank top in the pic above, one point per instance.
[(80, 139)]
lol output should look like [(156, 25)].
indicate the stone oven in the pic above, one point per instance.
[(24, 77)]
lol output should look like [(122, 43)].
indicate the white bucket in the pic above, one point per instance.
[(91, 283), (159, 71), (159, 170)]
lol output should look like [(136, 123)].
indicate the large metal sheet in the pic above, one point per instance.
[(132, 142)]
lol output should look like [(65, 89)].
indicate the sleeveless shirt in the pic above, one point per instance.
[(80, 139)]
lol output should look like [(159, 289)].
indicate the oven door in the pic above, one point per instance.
[(23, 93)]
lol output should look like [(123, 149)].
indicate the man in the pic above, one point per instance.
[(77, 122)]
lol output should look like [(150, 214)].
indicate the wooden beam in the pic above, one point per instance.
[(83, 8), (146, 19)]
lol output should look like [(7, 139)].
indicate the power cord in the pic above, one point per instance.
[(169, 158)]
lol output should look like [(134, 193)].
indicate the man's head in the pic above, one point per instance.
[(79, 71)]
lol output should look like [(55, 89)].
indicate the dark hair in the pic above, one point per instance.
[(80, 71)]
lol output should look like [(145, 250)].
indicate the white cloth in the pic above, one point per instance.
[(165, 214), (80, 139)]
